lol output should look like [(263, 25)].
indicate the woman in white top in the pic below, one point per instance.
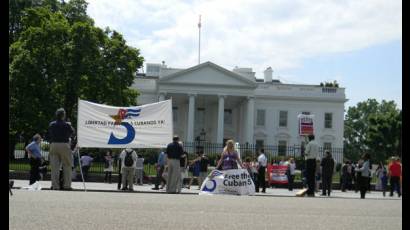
[(291, 173)]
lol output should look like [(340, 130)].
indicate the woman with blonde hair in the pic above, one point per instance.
[(229, 157)]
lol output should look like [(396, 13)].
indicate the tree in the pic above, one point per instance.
[(372, 127), (58, 56)]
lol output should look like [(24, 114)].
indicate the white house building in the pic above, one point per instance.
[(212, 103)]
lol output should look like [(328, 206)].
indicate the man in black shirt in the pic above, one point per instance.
[(328, 165), (59, 133), (174, 152)]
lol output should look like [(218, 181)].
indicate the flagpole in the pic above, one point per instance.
[(78, 147), (199, 42)]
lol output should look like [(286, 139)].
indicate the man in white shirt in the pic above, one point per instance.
[(311, 154), (128, 165), (262, 162)]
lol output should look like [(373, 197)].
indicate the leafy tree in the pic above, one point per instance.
[(372, 127), (57, 55)]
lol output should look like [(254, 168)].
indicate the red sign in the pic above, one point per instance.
[(305, 124), (277, 174)]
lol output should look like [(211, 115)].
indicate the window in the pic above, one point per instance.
[(328, 120), (282, 145), (327, 146), (259, 144), (260, 117), (283, 118), (306, 113), (175, 114), (228, 116)]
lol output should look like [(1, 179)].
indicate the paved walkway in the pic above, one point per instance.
[(146, 188)]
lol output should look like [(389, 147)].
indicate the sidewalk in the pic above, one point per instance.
[(146, 188)]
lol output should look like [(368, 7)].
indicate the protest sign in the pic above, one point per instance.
[(277, 174), (144, 126), (230, 182)]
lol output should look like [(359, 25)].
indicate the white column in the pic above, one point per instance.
[(191, 116), (250, 119), (161, 97), (221, 108)]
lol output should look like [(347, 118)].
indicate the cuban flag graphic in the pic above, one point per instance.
[(215, 173), (128, 113)]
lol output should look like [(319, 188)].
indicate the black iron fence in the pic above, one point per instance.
[(20, 161)]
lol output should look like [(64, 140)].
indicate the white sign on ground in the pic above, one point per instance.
[(230, 182), (145, 126)]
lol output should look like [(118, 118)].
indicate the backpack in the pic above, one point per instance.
[(128, 161)]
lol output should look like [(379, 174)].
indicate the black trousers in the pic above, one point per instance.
[(261, 179), (159, 177), (326, 184), (34, 170), (394, 183), (85, 171), (291, 178), (363, 185), (310, 176), (108, 176)]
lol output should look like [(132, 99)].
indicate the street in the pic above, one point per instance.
[(112, 210)]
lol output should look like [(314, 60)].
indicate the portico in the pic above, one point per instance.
[(211, 103)]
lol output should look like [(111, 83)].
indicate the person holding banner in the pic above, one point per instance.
[(311, 154), (229, 157), (174, 152), (58, 134)]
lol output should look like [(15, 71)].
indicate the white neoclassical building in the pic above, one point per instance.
[(212, 104)]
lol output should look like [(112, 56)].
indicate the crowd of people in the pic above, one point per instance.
[(173, 166)]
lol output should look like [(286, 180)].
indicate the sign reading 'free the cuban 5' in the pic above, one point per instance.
[(145, 126)]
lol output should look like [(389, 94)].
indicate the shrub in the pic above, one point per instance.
[(19, 146)]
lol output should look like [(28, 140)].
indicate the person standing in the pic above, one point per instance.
[(203, 172), (379, 175), (395, 174), (58, 136), (86, 164), (160, 170), (328, 165), (183, 166), (34, 154), (139, 171), (128, 164), (291, 173), (229, 157), (311, 154), (196, 170), (108, 166), (363, 179), (262, 162), (174, 152)]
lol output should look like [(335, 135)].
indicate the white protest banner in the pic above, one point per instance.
[(145, 126), (230, 182), (305, 124)]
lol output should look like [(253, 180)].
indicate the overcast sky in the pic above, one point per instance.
[(357, 43)]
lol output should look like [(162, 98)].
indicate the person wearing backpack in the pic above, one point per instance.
[(128, 165)]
